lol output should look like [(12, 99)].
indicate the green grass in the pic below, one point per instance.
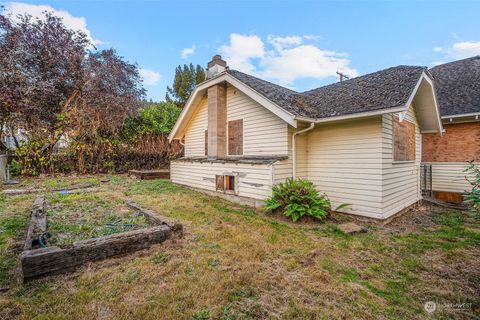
[(234, 263)]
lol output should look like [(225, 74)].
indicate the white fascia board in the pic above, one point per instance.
[(412, 95), (182, 116), (269, 105)]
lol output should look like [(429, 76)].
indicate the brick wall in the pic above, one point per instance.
[(459, 143)]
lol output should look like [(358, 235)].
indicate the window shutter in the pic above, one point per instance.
[(235, 137), (206, 142)]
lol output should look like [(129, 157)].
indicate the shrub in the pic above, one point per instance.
[(297, 198), (472, 197)]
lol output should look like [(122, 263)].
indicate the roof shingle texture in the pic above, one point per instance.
[(457, 85), (380, 90)]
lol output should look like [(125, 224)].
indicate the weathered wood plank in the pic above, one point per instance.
[(150, 174), (13, 192), (156, 218), (38, 222), (54, 259)]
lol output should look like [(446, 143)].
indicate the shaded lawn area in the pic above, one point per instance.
[(233, 263)]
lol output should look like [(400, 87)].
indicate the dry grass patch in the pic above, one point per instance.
[(236, 264)]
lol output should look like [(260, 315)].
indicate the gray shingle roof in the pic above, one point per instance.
[(458, 86), (279, 95), (380, 90)]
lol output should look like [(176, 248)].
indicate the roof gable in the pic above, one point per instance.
[(189, 109)]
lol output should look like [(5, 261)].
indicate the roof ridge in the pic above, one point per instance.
[(456, 61), (363, 76)]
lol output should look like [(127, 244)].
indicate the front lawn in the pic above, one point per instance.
[(234, 263)]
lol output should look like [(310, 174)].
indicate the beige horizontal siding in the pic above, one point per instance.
[(400, 181), (264, 133), (255, 181), (195, 131), (344, 162), (284, 169), (449, 176)]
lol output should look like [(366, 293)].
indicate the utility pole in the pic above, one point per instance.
[(342, 76)]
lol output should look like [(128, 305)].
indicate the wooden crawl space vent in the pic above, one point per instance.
[(227, 183)]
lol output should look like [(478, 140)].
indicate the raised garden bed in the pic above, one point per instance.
[(59, 240)]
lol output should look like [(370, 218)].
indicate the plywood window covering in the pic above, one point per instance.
[(403, 140), (206, 142), (235, 137), (219, 182)]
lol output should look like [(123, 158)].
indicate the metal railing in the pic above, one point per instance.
[(426, 179)]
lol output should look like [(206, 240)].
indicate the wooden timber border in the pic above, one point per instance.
[(52, 260), (150, 174)]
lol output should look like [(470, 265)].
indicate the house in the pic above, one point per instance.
[(458, 91), (358, 141)]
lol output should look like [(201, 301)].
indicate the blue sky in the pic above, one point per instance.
[(297, 44)]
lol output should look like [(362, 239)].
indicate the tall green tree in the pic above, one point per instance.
[(185, 80)]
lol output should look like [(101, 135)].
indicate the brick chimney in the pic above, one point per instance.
[(216, 66), (217, 111)]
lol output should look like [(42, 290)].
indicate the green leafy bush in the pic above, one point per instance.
[(154, 119), (472, 197), (32, 159), (297, 198)]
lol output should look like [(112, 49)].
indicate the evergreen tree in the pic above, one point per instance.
[(185, 80)]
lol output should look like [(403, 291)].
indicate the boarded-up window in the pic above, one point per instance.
[(225, 183), (206, 142), (403, 140), (219, 182), (235, 137)]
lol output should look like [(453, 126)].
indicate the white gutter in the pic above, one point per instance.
[(466, 115), (294, 149), (353, 115)]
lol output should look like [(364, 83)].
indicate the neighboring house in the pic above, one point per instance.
[(458, 91), (358, 141)]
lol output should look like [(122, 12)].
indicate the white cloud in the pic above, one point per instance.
[(466, 49), (305, 61), (241, 50), (280, 43), (150, 77), (284, 59), (185, 53), (36, 11), (459, 50)]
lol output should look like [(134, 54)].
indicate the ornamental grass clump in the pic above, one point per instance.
[(297, 198)]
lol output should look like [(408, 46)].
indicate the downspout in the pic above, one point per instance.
[(294, 149)]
